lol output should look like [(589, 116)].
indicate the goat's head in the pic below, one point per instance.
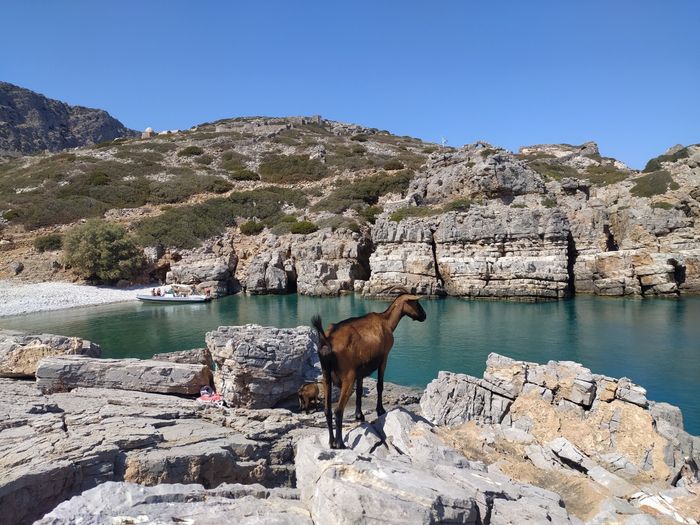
[(411, 307)]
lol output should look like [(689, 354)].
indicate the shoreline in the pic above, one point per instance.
[(29, 298)]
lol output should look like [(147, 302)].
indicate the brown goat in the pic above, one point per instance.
[(353, 349), (307, 393)]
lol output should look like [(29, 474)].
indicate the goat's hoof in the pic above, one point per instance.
[(380, 412), (332, 444), (359, 417), (340, 445)]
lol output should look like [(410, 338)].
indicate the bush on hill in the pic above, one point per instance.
[(654, 183), (48, 243), (103, 251), (291, 169), (190, 151)]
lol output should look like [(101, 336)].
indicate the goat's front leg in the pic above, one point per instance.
[(345, 391), (380, 388), (359, 416)]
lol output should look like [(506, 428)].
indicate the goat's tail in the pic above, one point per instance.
[(324, 347)]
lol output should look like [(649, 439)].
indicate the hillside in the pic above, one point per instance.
[(30, 123), (277, 205)]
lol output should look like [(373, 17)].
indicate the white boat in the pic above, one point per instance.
[(168, 298)]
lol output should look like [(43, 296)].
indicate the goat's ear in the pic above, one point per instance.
[(412, 298)]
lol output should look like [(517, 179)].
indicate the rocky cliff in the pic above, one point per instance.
[(30, 122), (308, 205)]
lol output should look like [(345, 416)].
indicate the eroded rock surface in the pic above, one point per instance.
[(257, 367), (64, 373), (20, 352), (595, 440)]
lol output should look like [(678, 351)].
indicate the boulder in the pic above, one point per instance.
[(64, 373), (400, 471), (257, 367), (196, 268), (267, 274), (20, 352), (114, 502)]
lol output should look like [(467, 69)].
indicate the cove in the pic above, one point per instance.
[(654, 342)]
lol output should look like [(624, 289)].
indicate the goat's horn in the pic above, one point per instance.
[(391, 289)]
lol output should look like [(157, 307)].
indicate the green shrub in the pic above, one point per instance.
[(663, 205), (48, 243), (487, 152), (654, 183), (244, 174), (61, 211), (358, 150), (655, 163), (205, 160), (549, 202), (458, 205), (11, 215), (339, 222), (605, 174), (359, 138), (102, 250), (303, 227), (393, 165), (364, 191), (291, 169), (190, 151), (429, 149), (405, 213), (369, 213), (552, 170), (187, 226), (252, 227)]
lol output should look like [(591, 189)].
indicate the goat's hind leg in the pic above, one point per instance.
[(380, 388), (359, 416), (345, 391), (327, 401)]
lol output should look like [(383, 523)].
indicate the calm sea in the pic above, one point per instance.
[(654, 342)]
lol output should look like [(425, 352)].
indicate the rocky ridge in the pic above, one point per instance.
[(31, 123), (528, 442)]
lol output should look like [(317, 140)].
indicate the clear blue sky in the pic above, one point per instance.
[(625, 73)]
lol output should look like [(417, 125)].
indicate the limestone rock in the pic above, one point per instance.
[(198, 356), (267, 274), (20, 352), (64, 373), (455, 398), (196, 269), (257, 367), (399, 471), (177, 503)]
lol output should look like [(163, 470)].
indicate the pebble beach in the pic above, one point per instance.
[(18, 299)]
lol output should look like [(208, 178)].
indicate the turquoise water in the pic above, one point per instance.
[(654, 342)]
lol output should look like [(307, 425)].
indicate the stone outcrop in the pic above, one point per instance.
[(323, 263), (197, 356), (33, 123), (475, 170), (211, 268), (21, 352), (53, 446), (64, 373), (489, 251), (176, 503), (399, 471), (257, 367), (593, 439)]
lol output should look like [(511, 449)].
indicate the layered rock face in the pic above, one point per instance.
[(30, 122), (257, 367), (21, 352), (591, 438), (324, 263), (211, 268), (64, 373), (489, 251)]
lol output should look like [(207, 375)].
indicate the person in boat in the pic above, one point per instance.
[(153, 291), (208, 294)]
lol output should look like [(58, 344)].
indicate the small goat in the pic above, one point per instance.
[(307, 393), (354, 348)]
